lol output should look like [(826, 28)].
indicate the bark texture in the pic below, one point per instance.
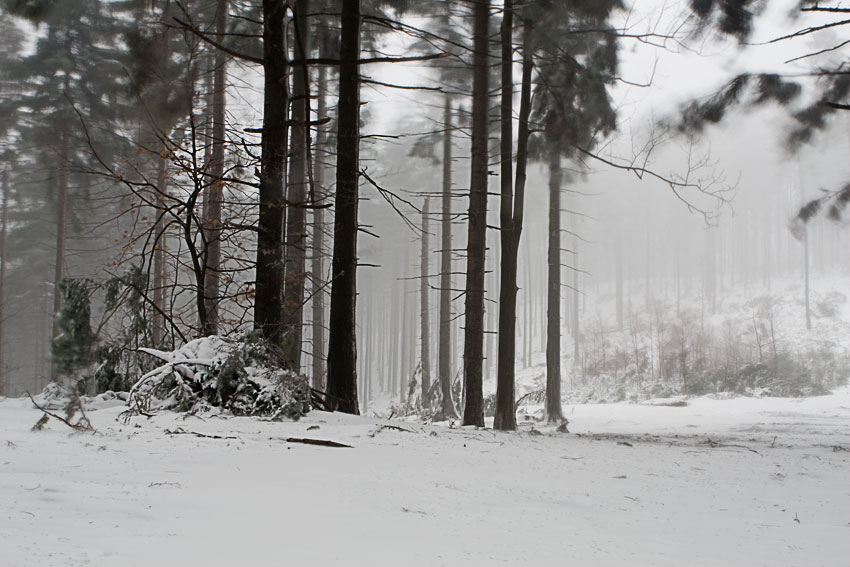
[(342, 341), (158, 327), (269, 276), (318, 242), (473, 342), (512, 214), (296, 218), (5, 388), (553, 308), (425, 308), (444, 371), (215, 193)]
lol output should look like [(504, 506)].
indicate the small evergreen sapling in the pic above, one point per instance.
[(101, 358), (73, 347)]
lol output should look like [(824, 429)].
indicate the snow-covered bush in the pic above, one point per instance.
[(239, 376)]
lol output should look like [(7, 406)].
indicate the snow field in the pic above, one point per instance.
[(719, 482)]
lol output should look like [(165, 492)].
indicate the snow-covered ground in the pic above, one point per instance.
[(718, 482)]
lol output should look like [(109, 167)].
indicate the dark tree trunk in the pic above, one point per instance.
[(473, 343), (505, 418), (296, 220), (158, 327), (512, 211), (425, 308), (447, 406), (215, 193), (342, 341), (269, 277), (553, 312), (5, 388), (317, 268)]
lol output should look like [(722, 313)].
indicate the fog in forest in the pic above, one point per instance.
[(706, 250), (554, 279)]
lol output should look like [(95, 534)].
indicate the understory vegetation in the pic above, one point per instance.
[(751, 348), (242, 377)]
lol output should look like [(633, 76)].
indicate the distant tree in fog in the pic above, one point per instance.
[(70, 96)]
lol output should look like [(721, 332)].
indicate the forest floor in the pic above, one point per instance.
[(743, 481)]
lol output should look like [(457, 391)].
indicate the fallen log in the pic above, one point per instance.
[(319, 442)]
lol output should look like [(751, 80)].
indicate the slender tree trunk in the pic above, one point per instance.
[(5, 387), (158, 327), (215, 193), (712, 269), (296, 220), (61, 222), (425, 308), (363, 361), (381, 350), (764, 230), (457, 353), (568, 304), (369, 339), (526, 313), (512, 211), (576, 300), (395, 330), (541, 291), (505, 418), (491, 290), (678, 280), (367, 367), (553, 311), (408, 348), (447, 406), (342, 342), (647, 273), (806, 264), (619, 283), (473, 355), (369, 378), (318, 276), (43, 362), (269, 275)]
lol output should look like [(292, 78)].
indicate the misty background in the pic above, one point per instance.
[(631, 246)]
